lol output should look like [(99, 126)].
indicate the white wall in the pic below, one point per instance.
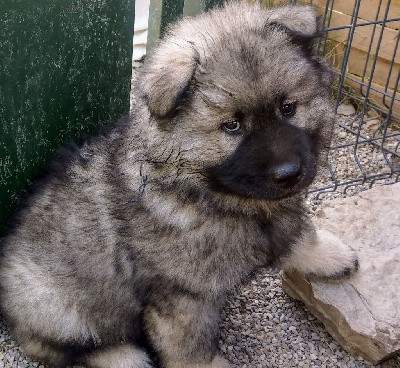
[(141, 28)]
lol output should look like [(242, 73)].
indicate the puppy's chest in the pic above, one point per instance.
[(193, 234), (248, 241), (210, 259), (230, 240), (209, 235)]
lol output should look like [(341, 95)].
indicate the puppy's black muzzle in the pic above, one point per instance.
[(276, 162)]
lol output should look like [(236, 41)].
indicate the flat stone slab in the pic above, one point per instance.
[(363, 312)]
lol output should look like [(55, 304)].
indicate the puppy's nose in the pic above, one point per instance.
[(287, 173)]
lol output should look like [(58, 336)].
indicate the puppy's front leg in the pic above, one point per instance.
[(184, 332), (322, 254)]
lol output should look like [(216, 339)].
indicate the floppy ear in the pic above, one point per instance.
[(299, 19), (298, 22), (166, 77), (303, 26)]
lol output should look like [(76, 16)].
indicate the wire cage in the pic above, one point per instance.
[(362, 41)]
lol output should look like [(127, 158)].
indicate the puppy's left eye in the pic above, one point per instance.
[(288, 109), (232, 127)]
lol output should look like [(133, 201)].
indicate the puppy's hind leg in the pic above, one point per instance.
[(319, 253), (60, 354), (119, 356), (183, 330), (45, 351)]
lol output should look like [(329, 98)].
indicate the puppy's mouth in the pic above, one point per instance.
[(280, 182)]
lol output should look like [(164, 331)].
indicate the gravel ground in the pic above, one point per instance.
[(262, 326)]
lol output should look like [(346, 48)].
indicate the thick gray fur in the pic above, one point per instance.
[(143, 230)]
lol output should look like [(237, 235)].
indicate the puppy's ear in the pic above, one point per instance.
[(299, 19), (303, 26), (325, 70), (167, 74), (300, 23)]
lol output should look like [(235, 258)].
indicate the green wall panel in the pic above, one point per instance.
[(65, 66)]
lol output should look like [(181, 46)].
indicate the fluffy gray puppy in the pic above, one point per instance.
[(140, 232)]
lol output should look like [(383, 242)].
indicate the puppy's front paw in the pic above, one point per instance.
[(322, 255), (346, 271), (346, 268), (335, 260)]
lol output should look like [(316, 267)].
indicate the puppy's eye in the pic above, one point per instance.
[(232, 127), (288, 109)]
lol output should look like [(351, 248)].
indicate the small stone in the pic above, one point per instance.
[(342, 135), (372, 124), (372, 114), (346, 109)]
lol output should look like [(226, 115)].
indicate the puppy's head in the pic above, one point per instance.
[(240, 94)]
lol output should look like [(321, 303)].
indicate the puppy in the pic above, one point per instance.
[(140, 232)]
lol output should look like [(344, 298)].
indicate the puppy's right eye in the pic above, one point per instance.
[(232, 127), (288, 108)]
